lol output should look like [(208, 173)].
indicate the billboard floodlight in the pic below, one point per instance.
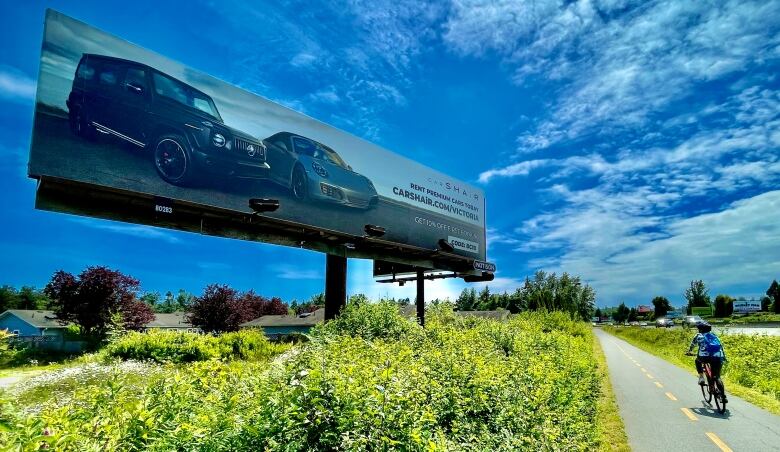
[(444, 245), (374, 230), (260, 205), (486, 277)]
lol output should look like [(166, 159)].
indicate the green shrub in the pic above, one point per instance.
[(184, 347), (476, 384), (380, 320)]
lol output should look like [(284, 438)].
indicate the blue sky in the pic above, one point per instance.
[(632, 143)]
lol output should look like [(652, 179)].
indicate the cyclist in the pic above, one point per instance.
[(710, 351)]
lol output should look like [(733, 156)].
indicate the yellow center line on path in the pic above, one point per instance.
[(649, 376), (671, 396), (718, 442), (690, 414), (659, 384), (643, 370), (637, 364)]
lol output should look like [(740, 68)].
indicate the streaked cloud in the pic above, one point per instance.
[(15, 85), (135, 230)]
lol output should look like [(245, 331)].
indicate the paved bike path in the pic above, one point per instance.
[(663, 409)]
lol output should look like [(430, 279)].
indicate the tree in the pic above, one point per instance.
[(766, 303), (597, 313), (315, 302), (222, 308), (183, 300), (774, 293), (151, 298), (633, 314), (30, 298), (358, 298), (697, 295), (723, 305), (661, 306), (621, 314), (136, 314), (219, 310), (92, 300), (484, 300), (467, 301), (554, 293), (9, 298)]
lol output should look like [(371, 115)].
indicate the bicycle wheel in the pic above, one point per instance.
[(720, 404), (705, 392)]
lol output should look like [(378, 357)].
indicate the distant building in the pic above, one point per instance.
[(278, 325), (31, 322), (174, 321)]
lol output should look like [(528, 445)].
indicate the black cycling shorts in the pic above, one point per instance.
[(715, 364)]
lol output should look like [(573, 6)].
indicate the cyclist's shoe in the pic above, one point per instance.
[(702, 382)]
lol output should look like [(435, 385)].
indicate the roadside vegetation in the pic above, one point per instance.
[(752, 371), (371, 380), (183, 347)]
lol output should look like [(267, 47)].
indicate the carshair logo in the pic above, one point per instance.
[(463, 244)]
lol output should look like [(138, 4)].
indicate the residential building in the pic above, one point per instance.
[(174, 321), (32, 323), (275, 326)]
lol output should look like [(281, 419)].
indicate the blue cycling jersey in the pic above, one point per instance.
[(700, 341)]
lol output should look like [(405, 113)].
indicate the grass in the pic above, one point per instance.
[(610, 429), (755, 318), (371, 381), (753, 370)]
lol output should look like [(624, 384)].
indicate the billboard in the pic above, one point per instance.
[(746, 306), (122, 127)]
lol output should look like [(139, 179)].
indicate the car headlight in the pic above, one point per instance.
[(319, 169), (218, 140)]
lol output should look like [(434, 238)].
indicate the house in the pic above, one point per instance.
[(32, 323), (174, 321), (279, 325)]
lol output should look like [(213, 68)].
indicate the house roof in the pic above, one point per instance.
[(495, 315), (309, 319), (36, 318), (169, 320)]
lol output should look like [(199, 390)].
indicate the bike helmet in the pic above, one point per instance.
[(703, 327)]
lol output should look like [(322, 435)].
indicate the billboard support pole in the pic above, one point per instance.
[(335, 285), (421, 297)]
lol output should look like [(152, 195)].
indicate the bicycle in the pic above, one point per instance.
[(714, 388)]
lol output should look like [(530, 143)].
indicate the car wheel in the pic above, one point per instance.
[(79, 125), (172, 159), (299, 183)]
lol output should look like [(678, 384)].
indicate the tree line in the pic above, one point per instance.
[(100, 300), (696, 295), (545, 291)]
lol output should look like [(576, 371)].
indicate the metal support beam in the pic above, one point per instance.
[(421, 297), (335, 285)]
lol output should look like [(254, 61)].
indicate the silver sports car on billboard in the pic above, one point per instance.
[(313, 171)]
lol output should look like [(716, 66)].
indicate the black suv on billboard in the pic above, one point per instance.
[(313, 171), (152, 110)]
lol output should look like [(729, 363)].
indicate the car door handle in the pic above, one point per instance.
[(135, 88)]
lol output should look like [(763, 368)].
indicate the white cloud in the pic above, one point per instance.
[(293, 272), (737, 246), (622, 62), (16, 86), (147, 232), (517, 169), (326, 96)]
